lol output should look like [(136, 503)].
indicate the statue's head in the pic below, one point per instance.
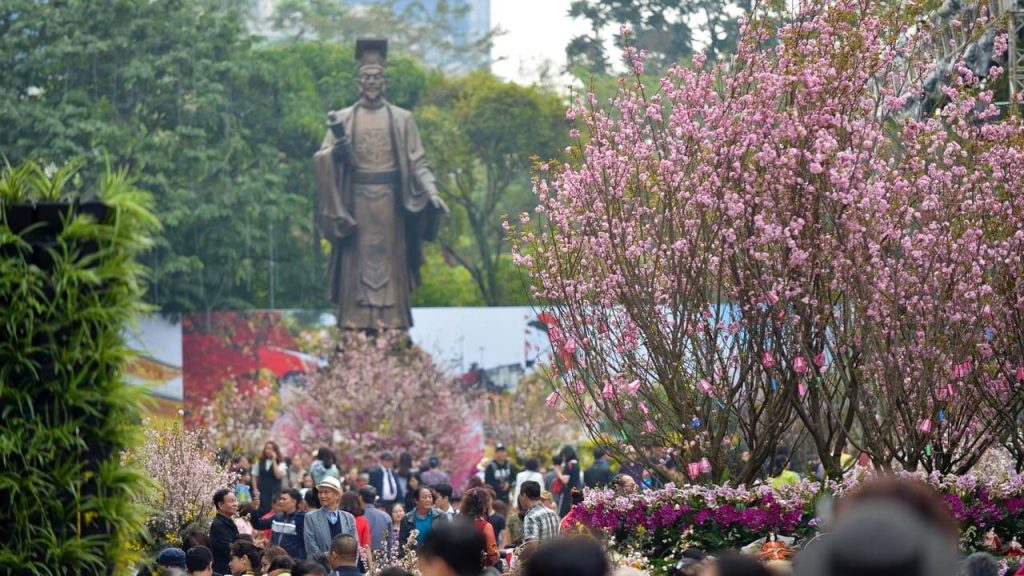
[(371, 55)]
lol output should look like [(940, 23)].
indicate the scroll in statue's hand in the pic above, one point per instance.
[(341, 143)]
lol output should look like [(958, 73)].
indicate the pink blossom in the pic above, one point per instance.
[(799, 365)]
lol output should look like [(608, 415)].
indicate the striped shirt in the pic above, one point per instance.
[(540, 523)]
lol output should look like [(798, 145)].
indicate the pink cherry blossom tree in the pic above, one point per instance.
[(380, 393), (184, 474), (775, 240)]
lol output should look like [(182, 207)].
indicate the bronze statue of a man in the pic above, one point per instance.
[(376, 202)]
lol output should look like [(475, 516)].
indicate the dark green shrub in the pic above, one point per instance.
[(69, 285)]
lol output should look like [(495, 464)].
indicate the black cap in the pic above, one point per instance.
[(368, 493), (174, 557), (385, 455), (499, 447), (371, 51)]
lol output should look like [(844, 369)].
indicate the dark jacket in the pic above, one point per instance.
[(287, 531), (409, 524), (597, 476), (377, 481), (222, 533), (496, 474)]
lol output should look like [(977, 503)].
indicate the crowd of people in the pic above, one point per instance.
[(284, 517)]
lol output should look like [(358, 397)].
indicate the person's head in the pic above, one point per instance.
[(225, 503), (241, 462), (880, 536), (279, 565), (736, 565), (329, 491), (245, 508), (532, 464), (245, 557), (171, 558), (474, 482), (325, 456), (529, 494), (352, 503), (500, 454), (568, 454), (623, 484), (499, 506), (397, 513), (452, 549), (443, 496), (691, 563), (368, 494), (475, 504), (404, 462), (199, 561), (296, 461), (599, 454), (271, 451), (308, 568), (344, 551), (394, 571), (779, 567), (269, 555), (424, 499), (573, 557), (548, 499), (307, 480), (387, 460), (352, 474), (289, 500), (414, 482), (433, 462), (576, 496), (981, 564), (915, 494), (556, 460), (311, 500), (194, 537)]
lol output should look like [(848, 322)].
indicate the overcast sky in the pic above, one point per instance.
[(535, 31)]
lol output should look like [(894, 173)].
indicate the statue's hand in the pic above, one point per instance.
[(438, 203)]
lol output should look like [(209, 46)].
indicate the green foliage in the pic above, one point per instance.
[(484, 137), (443, 283), (413, 31), (67, 293)]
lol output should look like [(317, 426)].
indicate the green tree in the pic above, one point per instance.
[(665, 28), (412, 30), (483, 137)]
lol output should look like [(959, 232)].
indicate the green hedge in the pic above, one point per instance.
[(69, 285)]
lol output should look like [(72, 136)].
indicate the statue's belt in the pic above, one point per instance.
[(391, 177)]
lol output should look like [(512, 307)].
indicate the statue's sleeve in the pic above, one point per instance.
[(333, 217), (422, 175), (423, 185)]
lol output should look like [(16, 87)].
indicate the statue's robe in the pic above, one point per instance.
[(374, 208)]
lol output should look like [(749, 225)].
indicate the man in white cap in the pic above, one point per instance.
[(322, 525)]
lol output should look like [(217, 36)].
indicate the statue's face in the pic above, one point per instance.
[(371, 82)]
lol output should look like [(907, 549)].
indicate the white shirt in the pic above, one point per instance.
[(524, 476), (389, 485)]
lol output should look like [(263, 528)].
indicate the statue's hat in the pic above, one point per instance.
[(371, 51)]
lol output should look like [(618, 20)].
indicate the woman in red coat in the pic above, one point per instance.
[(476, 506), (353, 504)]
